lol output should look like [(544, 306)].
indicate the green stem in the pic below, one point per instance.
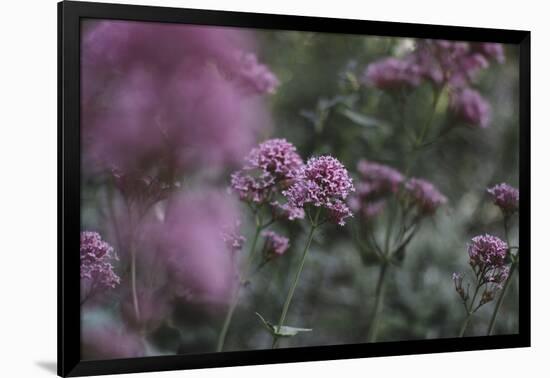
[(380, 288), (296, 279), (465, 325), (506, 283), (133, 279), (235, 299), (428, 125), (469, 315), (500, 299)]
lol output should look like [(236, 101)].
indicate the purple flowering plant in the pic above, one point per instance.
[(205, 212), (493, 261)]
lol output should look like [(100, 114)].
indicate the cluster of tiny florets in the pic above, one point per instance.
[(487, 252), (275, 244), (322, 182), (376, 182), (392, 73), (469, 106), (234, 241), (95, 261), (377, 179), (267, 168), (254, 77), (424, 195), (441, 62), (506, 197)]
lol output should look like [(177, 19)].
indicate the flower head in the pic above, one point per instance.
[(255, 77), (424, 195), (268, 167), (96, 256), (233, 239), (493, 51), (322, 182), (487, 252), (506, 197), (468, 105), (392, 73), (167, 96), (378, 178), (275, 244)]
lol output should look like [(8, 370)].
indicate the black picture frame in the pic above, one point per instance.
[(69, 16)]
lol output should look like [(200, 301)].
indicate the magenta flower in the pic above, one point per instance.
[(379, 178), (255, 77), (493, 51), (191, 244), (276, 157), (110, 341), (506, 197), (469, 106), (96, 269), (450, 62), (424, 195), (392, 73), (268, 168), (275, 244), (233, 239), (487, 252), (286, 211), (166, 97), (323, 182)]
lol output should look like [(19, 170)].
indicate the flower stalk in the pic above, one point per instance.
[(290, 294)]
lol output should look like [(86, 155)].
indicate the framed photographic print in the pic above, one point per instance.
[(253, 189)]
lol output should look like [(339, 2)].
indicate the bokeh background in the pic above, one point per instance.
[(322, 106)]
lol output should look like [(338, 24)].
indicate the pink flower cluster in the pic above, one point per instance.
[(254, 77), (487, 252), (268, 169), (96, 256), (233, 239), (441, 62), (191, 243), (424, 195), (506, 197), (323, 182), (275, 244), (168, 97), (392, 74), (377, 181), (469, 106)]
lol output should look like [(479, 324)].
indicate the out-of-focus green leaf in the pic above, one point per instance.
[(361, 119), (283, 331)]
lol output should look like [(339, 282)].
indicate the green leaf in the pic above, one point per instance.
[(361, 119), (283, 331)]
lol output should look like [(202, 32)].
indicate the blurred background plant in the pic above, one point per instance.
[(169, 112)]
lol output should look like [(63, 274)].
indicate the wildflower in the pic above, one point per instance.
[(323, 182), (468, 105), (379, 178), (286, 211), (493, 51), (191, 244), (424, 195), (268, 168), (167, 96), (233, 239), (95, 262), (255, 77), (111, 340), (506, 197), (392, 73), (275, 244), (487, 252)]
